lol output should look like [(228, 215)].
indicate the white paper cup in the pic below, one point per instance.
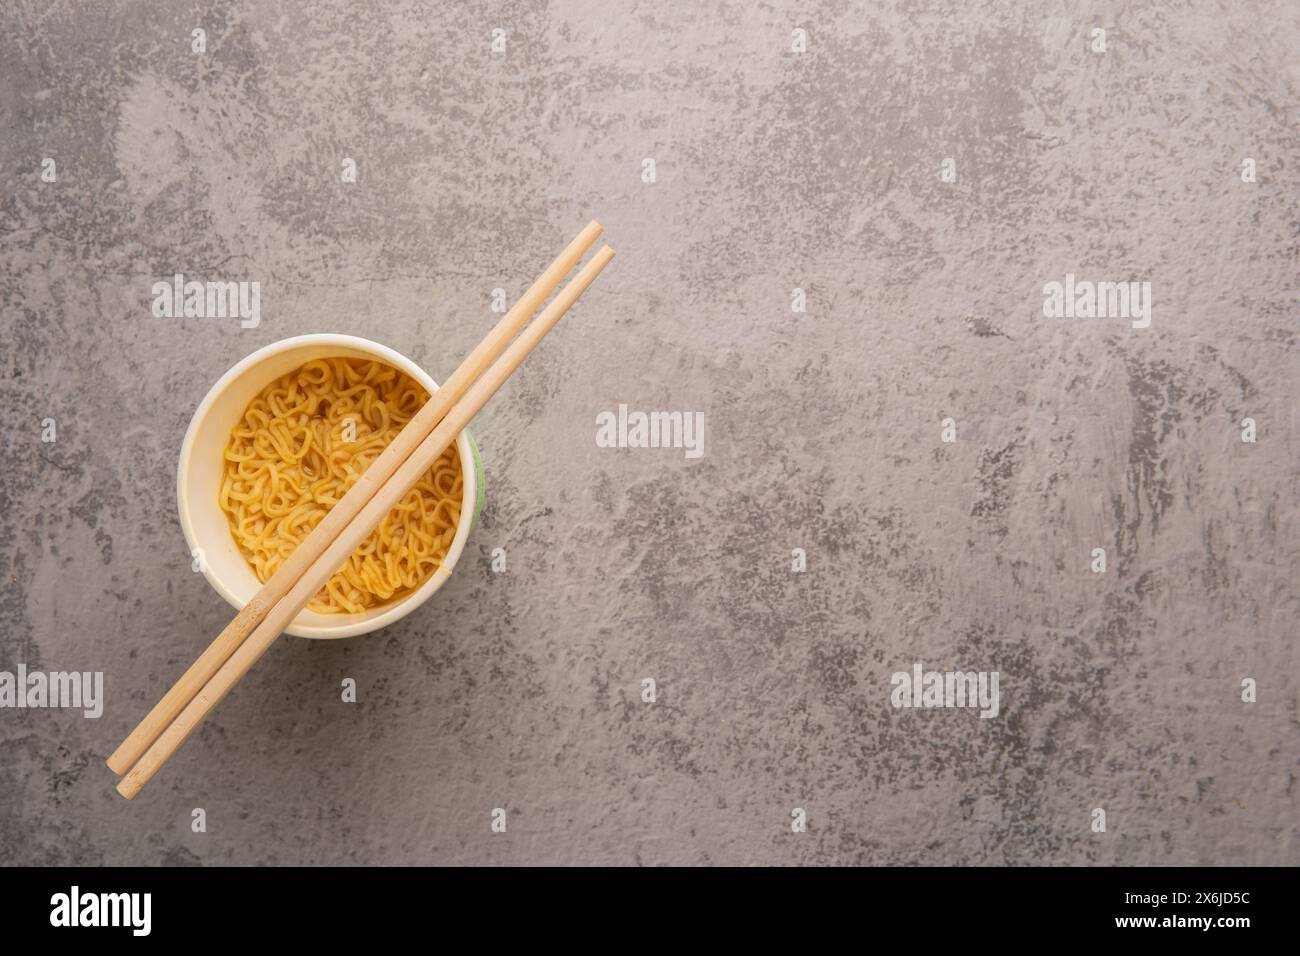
[(198, 480)]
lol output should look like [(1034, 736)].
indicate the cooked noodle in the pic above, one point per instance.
[(289, 461)]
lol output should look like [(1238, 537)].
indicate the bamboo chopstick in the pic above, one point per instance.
[(338, 517), (326, 562)]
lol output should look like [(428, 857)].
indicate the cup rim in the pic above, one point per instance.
[(464, 445)]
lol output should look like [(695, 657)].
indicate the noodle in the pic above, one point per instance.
[(301, 444)]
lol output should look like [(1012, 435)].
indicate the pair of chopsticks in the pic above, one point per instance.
[(346, 525)]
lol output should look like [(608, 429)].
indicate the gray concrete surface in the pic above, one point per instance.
[(775, 170)]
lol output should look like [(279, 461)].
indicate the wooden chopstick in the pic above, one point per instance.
[(328, 561), (338, 517)]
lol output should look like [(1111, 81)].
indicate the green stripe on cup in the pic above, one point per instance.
[(480, 481)]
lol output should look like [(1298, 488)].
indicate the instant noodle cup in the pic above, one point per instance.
[(202, 468)]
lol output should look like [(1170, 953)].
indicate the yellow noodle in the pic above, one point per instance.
[(288, 462)]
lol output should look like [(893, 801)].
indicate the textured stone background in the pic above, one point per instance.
[(775, 170)]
